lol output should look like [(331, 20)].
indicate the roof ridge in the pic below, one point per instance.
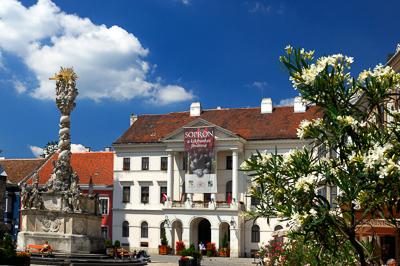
[(216, 109)]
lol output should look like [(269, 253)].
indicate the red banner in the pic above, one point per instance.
[(199, 144)]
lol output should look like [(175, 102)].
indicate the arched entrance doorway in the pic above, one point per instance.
[(204, 234), (224, 235), (200, 231)]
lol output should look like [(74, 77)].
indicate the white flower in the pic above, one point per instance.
[(313, 212), (303, 128), (289, 49), (265, 157), (287, 157), (245, 165), (308, 75), (347, 120), (305, 183), (376, 156)]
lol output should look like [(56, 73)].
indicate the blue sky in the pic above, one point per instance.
[(158, 56)]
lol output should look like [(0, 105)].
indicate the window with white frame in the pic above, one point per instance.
[(103, 205), (163, 194), (333, 198), (104, 232), (125, 229), (144, 197), (126, 194), (255, 234), (144, 230)]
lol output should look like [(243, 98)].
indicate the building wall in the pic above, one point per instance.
[(155, 213), (106, 218)]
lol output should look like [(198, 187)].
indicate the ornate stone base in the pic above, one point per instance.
[(66, 232)]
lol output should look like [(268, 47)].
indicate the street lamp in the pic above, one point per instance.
[(232, 222), (166, 221)]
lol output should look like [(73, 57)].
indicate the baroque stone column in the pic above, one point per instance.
[(58, 212), (63, 176)]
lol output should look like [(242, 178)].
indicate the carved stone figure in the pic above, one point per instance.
[(76, 193), (35, 199), (50, 224), (25, 192)]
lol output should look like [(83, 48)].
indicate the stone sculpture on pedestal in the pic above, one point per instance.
[(58, 212)]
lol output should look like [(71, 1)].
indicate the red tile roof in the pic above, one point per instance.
[(98, 165), (17, 169), (247, 123)]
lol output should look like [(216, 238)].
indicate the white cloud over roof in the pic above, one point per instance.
[(109, 61)]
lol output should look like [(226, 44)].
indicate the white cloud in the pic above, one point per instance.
[(109, 61), (172, 94), (37, 151), (260, 84), (19, 86), (185, 2), (258, 6), (78, 148), (286, 102)]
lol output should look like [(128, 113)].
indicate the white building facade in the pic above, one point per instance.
[(150, 167)]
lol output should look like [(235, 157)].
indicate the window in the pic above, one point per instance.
[(103, 205), (163, 194), (144, 230), (125, 229), (127, 164), (278, 236), (228, 191), (321, 151), (322, 191), (126, 194), (333, 201), (255, 234), (207, 197), (144, 195), (229, 162), (145, 163), (104, 232), (255, 201), (184, 161), (164, 163)]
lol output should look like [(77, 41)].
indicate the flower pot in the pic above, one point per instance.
[(163, 250)]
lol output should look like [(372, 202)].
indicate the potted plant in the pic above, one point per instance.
[(190, 257), (8, 255), (211, 250), (109, 247), (163, 249), (179, 247), (224, 250)]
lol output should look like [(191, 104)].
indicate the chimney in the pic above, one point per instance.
[(107, 149), (133, 119), (195, 109), (266, 106), (299, 105)]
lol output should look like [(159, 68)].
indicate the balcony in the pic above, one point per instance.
[(201, 205)]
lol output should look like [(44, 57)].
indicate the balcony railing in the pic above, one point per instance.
[(178, 204), (201, 204), (223, 204)]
